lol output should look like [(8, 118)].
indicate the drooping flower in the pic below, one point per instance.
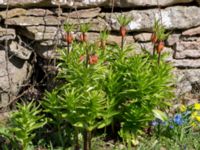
[(82, 58), (197, 106), (178, 119), (93, 59)]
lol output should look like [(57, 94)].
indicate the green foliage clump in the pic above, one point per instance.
[(22, 124)]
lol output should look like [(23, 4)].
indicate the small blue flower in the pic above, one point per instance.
[(154, 123), (171, 126), (178, 119)]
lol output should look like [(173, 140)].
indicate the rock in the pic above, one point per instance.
[(39, 33), (84, 13), (143, 37), (33, 21), (173, 39), (46, 52), (192, 32), (79, 4), (91, 3), (19, 51), (186, 63), (188, 54), (112, 39), (48, 42), (177, 17), (146, 3), (141, 47), (18, 71), (187, 45), (8, 34), (12, 13), (99, 24), (24, 3), (39, 12), (187, 80), (192, 38)]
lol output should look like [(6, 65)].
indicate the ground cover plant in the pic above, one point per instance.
[(108, 92)]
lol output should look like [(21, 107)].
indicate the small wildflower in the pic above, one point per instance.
[(197, 118), (154, 123), (182, 108), (178, 119), (194, 114), (193, 124), (197, 106), (171, 126)]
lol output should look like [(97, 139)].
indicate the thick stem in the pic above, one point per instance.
[(85, 140), (89, 140), (87, 137), (76, 143), (122, 43), (68, 48), (154, 50), (87, 58), (158, 58)]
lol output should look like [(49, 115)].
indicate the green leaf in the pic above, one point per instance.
[(160, 115)]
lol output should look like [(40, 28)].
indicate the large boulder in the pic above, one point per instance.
[(14, 74)]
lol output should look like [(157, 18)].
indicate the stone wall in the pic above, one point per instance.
[(34, 28)]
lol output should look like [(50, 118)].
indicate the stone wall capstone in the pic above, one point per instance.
[(36, 28)]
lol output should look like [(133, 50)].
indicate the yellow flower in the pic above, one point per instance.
[(193, 124), (197, 118), (194, 114), (197, 106), (182, 108)]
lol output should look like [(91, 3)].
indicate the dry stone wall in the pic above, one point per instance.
[(32, 27)]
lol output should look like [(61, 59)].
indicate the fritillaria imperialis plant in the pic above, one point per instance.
[(158, 37), (103, 38), (84, 28), (123, 22), (68, 36)]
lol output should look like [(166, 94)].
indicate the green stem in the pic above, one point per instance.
[(60, 135), (87, 57)]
